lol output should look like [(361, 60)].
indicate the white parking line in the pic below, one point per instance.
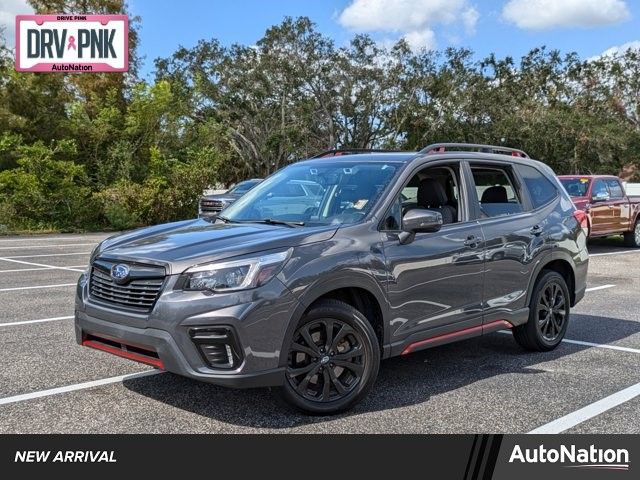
[(601, 287), (54, 267), (589, 344), (48, 255), (42, 320), (78, 386), (73, 268), (37, 286), (47, 246), (613, 253), (50, 239), (601, 345), (590, 411)]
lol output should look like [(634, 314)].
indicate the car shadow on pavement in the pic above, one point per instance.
[(613, 244), (602, 330), (402, 381)]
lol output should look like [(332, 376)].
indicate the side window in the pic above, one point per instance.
[(599, 188), (540, 188), (410, 192), (435, 188), (394, 217), (615, 189), (496, 191)]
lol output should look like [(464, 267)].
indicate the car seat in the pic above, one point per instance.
[(431, 195)]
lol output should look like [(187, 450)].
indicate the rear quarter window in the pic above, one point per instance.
[(541, 189)]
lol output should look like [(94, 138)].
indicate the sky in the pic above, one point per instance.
[(504, 27)]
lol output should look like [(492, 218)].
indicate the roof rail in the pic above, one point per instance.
[(457, 147), (352, 151)]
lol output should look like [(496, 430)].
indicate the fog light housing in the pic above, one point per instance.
[(218, 346)]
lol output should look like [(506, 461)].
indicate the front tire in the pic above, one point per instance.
[(548, 314), (632, 238), (333, 359)]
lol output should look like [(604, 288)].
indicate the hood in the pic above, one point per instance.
[(181, 245)]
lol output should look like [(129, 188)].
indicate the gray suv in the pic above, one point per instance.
[(386, 254)]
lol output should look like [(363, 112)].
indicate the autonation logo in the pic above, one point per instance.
[(573, 457)]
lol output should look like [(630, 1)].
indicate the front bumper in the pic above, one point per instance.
[(258, 319)]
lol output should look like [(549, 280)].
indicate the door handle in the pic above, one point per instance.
[(471, 241), (536, 230)]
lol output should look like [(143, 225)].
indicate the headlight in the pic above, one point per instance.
[(236, 275)]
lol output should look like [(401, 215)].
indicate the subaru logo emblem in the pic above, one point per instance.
[(120, 272)]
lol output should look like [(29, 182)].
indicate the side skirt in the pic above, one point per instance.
[(456, 335)]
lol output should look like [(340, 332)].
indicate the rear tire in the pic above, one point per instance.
[(548, 314), (333, 359), (632, 238)]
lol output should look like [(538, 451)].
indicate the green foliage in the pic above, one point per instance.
[(113, 151), (122, 204), (170, 192), (43, 191)]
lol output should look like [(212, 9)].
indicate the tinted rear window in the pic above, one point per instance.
[(541, 189), (495, 191)]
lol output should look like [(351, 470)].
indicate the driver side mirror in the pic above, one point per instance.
[(419, 220), (600, 197)]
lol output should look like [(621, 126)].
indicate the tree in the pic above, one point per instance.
[(125, 152)]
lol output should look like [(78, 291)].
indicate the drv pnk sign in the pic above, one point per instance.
[(72, 43)]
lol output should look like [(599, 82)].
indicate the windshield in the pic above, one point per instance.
[(322, 194), (242, 187), (576, 187)]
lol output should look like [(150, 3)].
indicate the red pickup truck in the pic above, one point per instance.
[(610, 210)]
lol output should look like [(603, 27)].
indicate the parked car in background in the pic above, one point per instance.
[(211, 205), (610, 210), (332, 264)]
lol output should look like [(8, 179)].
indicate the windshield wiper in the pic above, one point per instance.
[(273, 221), (225, 219), (268, 221)]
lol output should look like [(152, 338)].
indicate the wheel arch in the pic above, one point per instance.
[(560, 264), (358, 290)]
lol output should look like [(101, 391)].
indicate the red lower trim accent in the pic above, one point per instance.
[(465, 331), (154, 362)]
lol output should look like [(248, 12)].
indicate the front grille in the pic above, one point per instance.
[(212, 206), (139, 294)]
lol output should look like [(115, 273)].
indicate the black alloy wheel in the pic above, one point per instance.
[(551, 311), (332, 360), (549, 308), (325, 361)]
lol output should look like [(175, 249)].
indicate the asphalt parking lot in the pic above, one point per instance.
[(48, 384)]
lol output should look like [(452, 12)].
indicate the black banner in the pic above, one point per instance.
[(467, 457)]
